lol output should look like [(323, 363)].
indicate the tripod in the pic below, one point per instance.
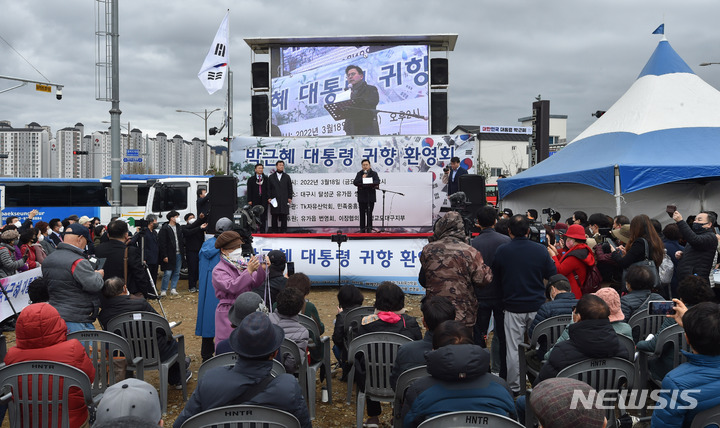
[(339, 238), (382, 228), (155, 294)]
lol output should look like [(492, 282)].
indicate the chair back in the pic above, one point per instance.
[(469, 419), (311, 326), (403, 383), (102, 346), (709, 417), (228, 359), (40, 392), (602, 373), (240, 416), (674, 334), (643, 323), (551, 328), (352, 322), (140, 329), (379, 350), (289, 347), (628, 344)]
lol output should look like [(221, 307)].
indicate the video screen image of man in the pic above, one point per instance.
[(362, 117)]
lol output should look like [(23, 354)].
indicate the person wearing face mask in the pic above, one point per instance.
[(22, 226), (233, 276), (55, 232), (43, 231), (194, 235), (124, 261), (8, 265), (697, 256), (577, 261)]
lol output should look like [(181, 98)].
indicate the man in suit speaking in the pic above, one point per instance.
[(366, 181), (451, 176)]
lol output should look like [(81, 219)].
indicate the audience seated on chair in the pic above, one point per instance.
[(41, 334), (389, 317), (290, 303), (256, 341), (435, 310), (129, 398), (691, 291), (116, 300), (551, 402), (700, 373), (349, 297), (459, 379), (640, 281), (245, 304), (302, 282)]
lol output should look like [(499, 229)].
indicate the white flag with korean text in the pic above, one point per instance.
[(214, 69)]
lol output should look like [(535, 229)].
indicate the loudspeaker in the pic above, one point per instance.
[(474, 187), (438, 113), (260, 115), (223, 199), (439, 71), (260, 75)]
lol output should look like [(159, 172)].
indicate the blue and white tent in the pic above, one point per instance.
[(658, 144)]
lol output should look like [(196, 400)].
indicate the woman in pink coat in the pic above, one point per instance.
[(232, 277)]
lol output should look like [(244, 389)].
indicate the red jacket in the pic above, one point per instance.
[(575, 264), (41, 334)]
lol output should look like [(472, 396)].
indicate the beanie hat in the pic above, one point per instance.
[(612, 298), (245, 304), (228, 240), (551, 400)]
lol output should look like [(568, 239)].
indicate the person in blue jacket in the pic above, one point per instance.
[(207, 302)]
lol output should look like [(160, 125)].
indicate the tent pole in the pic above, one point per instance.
[(618, 195)]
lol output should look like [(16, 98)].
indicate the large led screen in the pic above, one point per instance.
[(350, 90)]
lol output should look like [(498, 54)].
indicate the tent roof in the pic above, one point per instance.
[(661, 130)]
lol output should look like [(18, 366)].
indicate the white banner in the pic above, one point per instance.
[(16, 287), (364, 262), (331, 200), (491, 129)]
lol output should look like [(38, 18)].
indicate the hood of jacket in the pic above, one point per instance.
[(449, 226), (582, 252), (39, 326), (593, 337), (458, 362), (208, 249)]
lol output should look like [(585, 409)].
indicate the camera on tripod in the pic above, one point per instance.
[(550, 213)]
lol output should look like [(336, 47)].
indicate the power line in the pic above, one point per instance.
[(11, 47)]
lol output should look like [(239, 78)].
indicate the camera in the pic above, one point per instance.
[(538, 234), (58, 93), (141, 223), (446, 169), (550, 213), (339, 237), (246, 222)]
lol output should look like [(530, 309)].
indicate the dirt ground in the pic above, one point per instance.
[(184, 308)]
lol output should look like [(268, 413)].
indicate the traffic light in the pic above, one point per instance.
[(80, 152)]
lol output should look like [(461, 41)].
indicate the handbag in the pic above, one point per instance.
[(648, 262)]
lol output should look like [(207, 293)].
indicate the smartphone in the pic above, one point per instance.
[(670, 210), (290, 268), (612, 244), (661, 307), (717, 230)]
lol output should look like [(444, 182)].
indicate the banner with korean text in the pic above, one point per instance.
[(363, 262), (420, 159), (16, 286)]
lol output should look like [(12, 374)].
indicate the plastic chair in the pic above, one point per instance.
[(242, 415), (228, 359), (140, 329), (673, 334), (403, 383), (469, 419), (47, 379), (628, 344), (312, 373), (379, 350), (610, 374), (101, 346), (551, 329), (301, 368), (709, 417), (353, 319), (643, 323)]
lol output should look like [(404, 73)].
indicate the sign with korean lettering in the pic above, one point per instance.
[(16, 286), (422, 157), (489, 129), (363, 262), (312, 77)]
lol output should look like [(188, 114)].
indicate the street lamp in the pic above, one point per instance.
[(201, 116), (705, 64)]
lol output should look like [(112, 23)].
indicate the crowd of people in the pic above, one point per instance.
[(596, 269)]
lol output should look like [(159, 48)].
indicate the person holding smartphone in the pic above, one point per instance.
[(697, 256)]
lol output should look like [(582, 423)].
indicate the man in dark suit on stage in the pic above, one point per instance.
[(361, 118), (452, 176), (257, 194), (366, 195), (280, 189)]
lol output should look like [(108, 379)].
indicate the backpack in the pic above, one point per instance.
[(593, 280), (666, 269)]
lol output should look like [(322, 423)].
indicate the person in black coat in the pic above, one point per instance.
[(194, 235), (366, 195), (136, 278), (147, 241), (361, 119), (257, 192), (280, 189), (171, 252), (203, 202), (697, 256), (452, 176)]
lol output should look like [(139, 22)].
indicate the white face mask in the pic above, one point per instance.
[(17, 224), (191, 221), (41, 237), (236, 255)]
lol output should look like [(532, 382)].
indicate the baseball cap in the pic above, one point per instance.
[(277, 257), (224, 224), (552, 400), (256, 336), (507, 211), (78, 229), (130, 397)]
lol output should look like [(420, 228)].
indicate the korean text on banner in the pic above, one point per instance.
[(16, 287)]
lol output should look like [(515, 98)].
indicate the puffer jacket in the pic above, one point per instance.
[(458, 381), (8, 264), (698, 254), (575, 264), (636, 301), (702, 374), (295, 332), (41, 334)]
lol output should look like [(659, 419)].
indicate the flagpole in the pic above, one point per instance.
[(229, 119)]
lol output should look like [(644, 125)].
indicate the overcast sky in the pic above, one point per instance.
[(580, 55)]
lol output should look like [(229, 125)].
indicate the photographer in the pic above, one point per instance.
[(577, 261), (123, 261), (147, 240)]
